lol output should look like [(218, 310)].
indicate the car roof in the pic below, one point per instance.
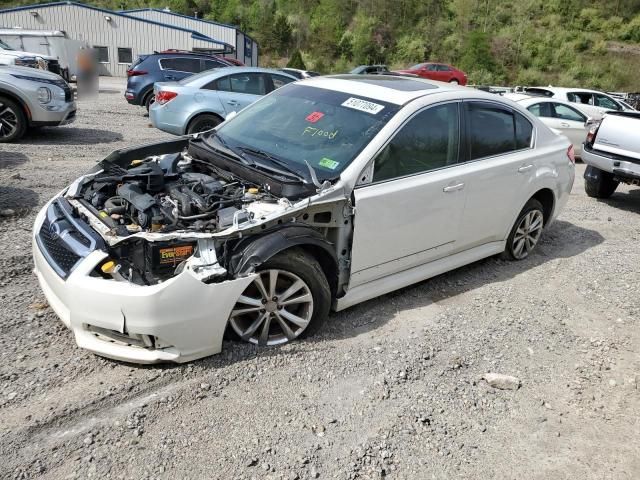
[(388, 88), (526, 101), (566, 89), (215, 73)]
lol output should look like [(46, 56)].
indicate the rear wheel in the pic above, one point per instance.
[(598, 183), (149, 99), (13, 122), (203, 122), (526, 231), (290, 298)]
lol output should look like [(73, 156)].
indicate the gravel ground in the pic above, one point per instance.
[(391, 388)]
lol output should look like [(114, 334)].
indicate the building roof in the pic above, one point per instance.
[(167, 12), (194, 34)]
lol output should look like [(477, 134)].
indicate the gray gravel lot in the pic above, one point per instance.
[(391, 388)]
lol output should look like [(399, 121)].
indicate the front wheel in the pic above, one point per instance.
[(526, 231), (454, 82), (13, 122), (598, 183), (290, 298)]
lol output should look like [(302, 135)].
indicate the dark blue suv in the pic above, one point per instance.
[(165, 66)]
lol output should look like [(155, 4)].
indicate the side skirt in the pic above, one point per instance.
[(413, 275)]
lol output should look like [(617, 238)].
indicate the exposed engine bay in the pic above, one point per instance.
[(170, 192)]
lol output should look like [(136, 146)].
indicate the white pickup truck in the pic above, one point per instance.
[(612, 154)]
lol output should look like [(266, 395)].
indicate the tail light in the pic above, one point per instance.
[(163, 97), (591, 136), (571, 154), (136, 73)]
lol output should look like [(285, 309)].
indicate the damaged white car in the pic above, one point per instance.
[(321, 195)]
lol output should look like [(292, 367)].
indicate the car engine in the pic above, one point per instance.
[(168, 193)]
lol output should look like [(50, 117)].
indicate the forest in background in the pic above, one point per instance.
[(592, 43)]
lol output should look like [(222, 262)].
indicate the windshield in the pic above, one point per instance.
[(295, 123), (4, 46)]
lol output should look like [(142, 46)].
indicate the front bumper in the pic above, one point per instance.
[(184, 317), (65, 115), (621, 167)]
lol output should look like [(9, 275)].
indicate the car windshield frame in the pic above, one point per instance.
[(293, 101)]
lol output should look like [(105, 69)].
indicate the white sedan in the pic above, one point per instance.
[(321, 195), (568, 118)]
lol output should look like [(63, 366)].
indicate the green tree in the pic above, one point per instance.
[(296, 61)]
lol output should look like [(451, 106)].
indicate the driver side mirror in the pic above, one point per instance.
[(590, 121)]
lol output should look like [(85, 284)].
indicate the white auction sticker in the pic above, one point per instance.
[(362, 105)]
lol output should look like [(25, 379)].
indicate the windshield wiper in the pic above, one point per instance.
[(288, 169), (228, 150)]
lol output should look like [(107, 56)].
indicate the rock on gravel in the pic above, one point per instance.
[(503, 382)]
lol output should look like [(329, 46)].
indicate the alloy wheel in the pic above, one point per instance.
[(8, 121), (274, 309), (527, 234)]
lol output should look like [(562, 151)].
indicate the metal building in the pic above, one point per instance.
[(245, 48), (117, 37)]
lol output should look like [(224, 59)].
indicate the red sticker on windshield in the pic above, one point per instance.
[(314, 117)]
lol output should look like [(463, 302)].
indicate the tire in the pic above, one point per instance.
[(526, 231), (598, 183), (454, 81), (148, 100), (252, 313), (203, 122), (13, 121)]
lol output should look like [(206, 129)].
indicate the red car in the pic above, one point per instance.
[(438, 71)]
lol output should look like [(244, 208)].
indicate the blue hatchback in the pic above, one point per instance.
[(165, 67)]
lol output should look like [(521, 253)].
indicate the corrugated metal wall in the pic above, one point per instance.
[(91, 26), (224, 33)]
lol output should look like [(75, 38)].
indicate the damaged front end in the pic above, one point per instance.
[(145, 257)]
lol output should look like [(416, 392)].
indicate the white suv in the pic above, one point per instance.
[(592, 101), (322, 194)]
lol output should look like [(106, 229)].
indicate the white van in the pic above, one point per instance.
[(55, 47)]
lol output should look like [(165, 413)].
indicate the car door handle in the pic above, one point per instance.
[(233, 103), (565, 125), (525, 168), (453, 188)]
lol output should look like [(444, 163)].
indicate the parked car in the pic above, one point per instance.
[(32, 98), (203, 101), (592, 101), (568, 118), (438, 71), (164, 67), (368, 69), (612, 154), (58, 50), (10, 56), (300, 74), (321, 195)]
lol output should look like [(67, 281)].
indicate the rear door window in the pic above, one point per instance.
[(586, 98), (494, 130), (177, 64), (541, 109), (250, 83)]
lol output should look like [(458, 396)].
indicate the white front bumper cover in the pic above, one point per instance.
[(187, 317)]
